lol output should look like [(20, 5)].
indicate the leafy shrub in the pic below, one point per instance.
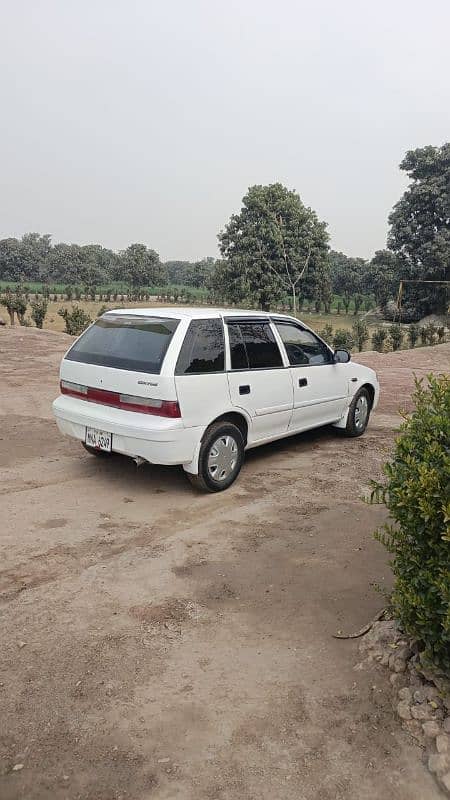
[(379, 337), (76, 320), (360, 332), (358, 300), (413, 334), (396, 336), (39, 311), (326, 333), (416, 493), (343, 338), (441, 333)]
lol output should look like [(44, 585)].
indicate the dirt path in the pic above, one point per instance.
[(156, 643)]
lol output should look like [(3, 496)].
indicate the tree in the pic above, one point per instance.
[(76, 320), (413, 334), (385, 274), (360, 333), (142, 266), (343, 338), (347, 274), (420, 227), (272, 246)]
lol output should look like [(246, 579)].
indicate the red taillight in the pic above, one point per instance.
[(144, 405)]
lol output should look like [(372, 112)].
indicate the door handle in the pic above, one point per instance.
[(303, 382), (244, 389)]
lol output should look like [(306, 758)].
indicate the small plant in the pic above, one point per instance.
[(379, 337), (38, 311), (317, 304), (431, 331), (396, 336), (326, 333), (76, 320), (77, 293), (416, 494), (343, 339), (441, 333), (360, 333), (69, 292), (423, 334), (102, 310), (413, 334), (339, 306)]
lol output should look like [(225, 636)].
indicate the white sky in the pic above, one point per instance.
[(137, 120)]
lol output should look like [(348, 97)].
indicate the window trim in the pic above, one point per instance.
[(255, 321), (212, 372), (280, 321)]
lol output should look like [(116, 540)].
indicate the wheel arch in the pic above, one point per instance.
[(371, 392), (236, 418)]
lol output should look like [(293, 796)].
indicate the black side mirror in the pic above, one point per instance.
[(341, 356)]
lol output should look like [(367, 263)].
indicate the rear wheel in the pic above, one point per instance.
[(221, 457), (358, 414), (94, 452)]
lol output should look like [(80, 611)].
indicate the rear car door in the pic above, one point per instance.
[(320, 386), (200, 377), (258, 380)]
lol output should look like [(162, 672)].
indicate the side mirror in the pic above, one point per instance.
[(341, 356)]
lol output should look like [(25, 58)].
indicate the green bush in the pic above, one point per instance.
[(326, 333), (76, 320), (396, 336), (417, 494), (413, 333), (39, 311), (343, 338), (379, 337), (360, 332)]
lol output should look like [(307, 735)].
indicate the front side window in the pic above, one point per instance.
[(302, 347), (253, 346), (203, 349), (124, 341)]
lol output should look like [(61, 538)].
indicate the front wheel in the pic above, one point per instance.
[(221, 457), (358, 414)]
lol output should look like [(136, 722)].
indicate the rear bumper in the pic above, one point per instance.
[(157, 440)]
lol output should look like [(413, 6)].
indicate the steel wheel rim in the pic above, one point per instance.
[(222, 458), (361, 412)]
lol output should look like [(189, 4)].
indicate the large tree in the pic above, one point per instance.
[(142, 266), (347, 274), (274, 247), (420, 227)]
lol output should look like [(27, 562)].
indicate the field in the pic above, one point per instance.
[(159, 644), (54, 322)]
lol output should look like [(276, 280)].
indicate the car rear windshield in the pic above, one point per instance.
[(125, 342)]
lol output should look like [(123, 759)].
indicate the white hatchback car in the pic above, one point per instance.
[(198, 387)]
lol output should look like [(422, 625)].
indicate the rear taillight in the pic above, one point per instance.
[(128, 402)]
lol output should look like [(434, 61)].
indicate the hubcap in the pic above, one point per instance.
[(361, 412), (222, 458)]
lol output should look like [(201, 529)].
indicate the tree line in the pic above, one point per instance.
[(275, 251)]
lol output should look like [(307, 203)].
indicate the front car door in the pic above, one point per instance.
[(258, 380), (320, 386)]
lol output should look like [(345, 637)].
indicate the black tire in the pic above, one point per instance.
[(94, 452), (205, 481), (355, 426)]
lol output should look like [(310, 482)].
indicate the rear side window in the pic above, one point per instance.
[(125, 342), (302, 347), (203, 349), (253, 346)]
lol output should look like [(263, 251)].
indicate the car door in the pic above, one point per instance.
[(200, 377), (258, 380), (320, 386)]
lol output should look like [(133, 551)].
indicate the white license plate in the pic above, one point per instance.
[(101, 440)]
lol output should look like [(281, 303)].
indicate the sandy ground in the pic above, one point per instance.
[(157, 643)]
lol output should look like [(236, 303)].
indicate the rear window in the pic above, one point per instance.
[(125, 342)]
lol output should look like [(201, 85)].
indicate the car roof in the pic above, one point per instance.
[(191, 312)]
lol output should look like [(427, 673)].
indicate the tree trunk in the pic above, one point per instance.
[(294, 301)]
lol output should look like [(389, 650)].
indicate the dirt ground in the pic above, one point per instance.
[(158, 644)]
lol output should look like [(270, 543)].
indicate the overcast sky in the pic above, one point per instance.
[(138, 120)]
